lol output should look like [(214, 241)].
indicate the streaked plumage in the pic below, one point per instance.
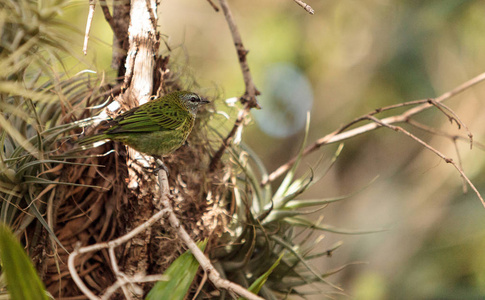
[(155, 128)]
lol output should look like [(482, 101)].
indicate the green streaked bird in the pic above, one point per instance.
[(156, 128)]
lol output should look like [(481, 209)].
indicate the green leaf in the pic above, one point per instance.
[(22, 280), (35, 211), (258, 283), (309, 224), (300, 203), (181, 273)]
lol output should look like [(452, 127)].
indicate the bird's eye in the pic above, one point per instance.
[(194, 98)]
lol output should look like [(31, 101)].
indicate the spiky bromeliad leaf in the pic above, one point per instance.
[(304, 262), (258, 283), (309, 224), (301, 203), (180, 274), (22, 280)]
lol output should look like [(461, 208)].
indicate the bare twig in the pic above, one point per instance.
[(442, 133), (452, 116), (251, 90), (427, 146), (92, 7), (128, 280), (398, 105), (305, 6), (340, 135), (204, 262), (107, 14), (213, 5), (249, 98), (460, 164), (122, 278)]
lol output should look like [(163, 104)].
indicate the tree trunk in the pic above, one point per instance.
[(138, 70)]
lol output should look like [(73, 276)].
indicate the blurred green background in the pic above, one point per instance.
[(346, 60)]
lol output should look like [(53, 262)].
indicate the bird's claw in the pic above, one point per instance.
[(154, 170), (160, 166)]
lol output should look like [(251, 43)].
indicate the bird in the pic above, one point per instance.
[(156, 128)]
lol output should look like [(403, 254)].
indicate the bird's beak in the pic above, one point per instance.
[(204, 101)]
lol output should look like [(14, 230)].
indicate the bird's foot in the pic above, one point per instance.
[(160, 166)]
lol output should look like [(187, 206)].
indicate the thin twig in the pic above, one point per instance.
[(427, 146), (460, 164), (398, 105), (249, 98), (435, 131), (136, 278), (452, 116), (339, 134), (213, 5), (251, 90), (204, 262), (120, 275), (75, 276), (89, 22), (305, 6), (107, 14), (111, 245)]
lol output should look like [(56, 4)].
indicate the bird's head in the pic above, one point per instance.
[(191, 101)]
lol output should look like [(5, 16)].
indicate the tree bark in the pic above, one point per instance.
[(138, 80)]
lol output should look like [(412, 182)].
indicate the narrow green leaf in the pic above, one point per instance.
[(302, 260), (18, 137), (267, 193), (39, 180), (181, 273), (258, 283), (294, 190), (22, 280), (35, 211), (300, 203), (309, 224), (246, 168)]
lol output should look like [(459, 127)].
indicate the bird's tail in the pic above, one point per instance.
[(92, 139)]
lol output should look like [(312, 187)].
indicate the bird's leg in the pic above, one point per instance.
[(158, 161), (161, 165)]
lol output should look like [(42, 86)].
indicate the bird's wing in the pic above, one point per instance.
[(148, 118)]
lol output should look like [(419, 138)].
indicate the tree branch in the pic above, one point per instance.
[(122, 278), (89, 22), (204, 262), (427, 146), (251, 90), (340, 134), (305, 6), (249, 98), (213, 5), (107, 14)]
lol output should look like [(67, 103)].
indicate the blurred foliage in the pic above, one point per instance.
[(22, 280), (38, 102)]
